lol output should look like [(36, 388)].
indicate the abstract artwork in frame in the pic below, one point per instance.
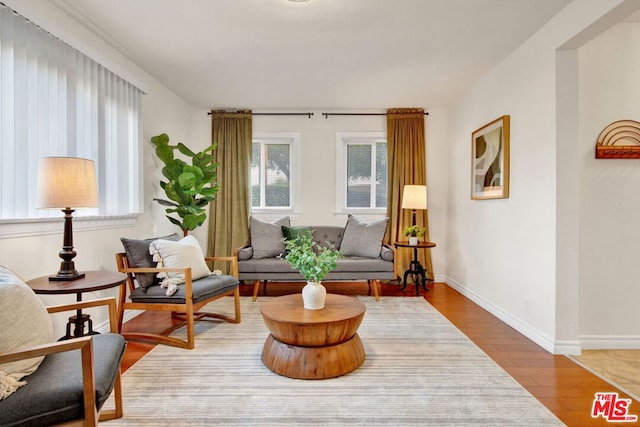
[(490, 160)]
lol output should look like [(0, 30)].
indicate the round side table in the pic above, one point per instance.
[(93, 281), (415, 268)]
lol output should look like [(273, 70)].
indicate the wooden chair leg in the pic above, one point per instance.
[(191, 340), (122, 296), (375, 284), (256, 288), (112, 414), (236, 303)]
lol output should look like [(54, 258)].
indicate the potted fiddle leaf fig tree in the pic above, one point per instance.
[(190, 186), (313, 263)]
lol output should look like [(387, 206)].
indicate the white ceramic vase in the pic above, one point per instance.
[(313, 296), (413, 240)]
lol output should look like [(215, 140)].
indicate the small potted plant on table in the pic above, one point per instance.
[(314, 263), (413, 232)]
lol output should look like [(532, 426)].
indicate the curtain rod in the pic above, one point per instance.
[(278, 114), (326, 115)]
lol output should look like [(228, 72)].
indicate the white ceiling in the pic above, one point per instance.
[(323, 54)]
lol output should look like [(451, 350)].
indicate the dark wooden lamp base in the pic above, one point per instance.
[(67, 270)]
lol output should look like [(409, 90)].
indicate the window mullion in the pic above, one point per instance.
[(263, 175), (372, 184)]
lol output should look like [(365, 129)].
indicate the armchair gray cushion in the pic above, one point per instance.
[(53, 393), (203, 289)]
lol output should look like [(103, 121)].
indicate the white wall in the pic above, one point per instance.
[(609, 193), (502, 253), (317, 174), (162, 111)]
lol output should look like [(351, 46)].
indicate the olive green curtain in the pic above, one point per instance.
[(406, 151), (229, 213)]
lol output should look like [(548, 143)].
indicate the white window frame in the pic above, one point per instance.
[(342, 140), (293, 139)]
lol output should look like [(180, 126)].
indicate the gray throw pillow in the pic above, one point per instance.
[(363, 239), (266, 237), (138, 255)]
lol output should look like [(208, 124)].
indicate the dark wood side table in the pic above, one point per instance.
[(415, 268), (93, 281)]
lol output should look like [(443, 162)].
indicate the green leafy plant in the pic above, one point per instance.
[(312, 261), (189, 187), (414, 231)]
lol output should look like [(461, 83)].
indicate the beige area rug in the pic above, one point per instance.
[(620, 368), (419, 370)]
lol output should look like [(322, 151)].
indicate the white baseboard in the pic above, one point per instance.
[(610, 342), (534, 335), (568, 348), (585, 342)]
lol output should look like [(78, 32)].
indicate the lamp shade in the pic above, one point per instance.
[(414, 197), (66, 182)]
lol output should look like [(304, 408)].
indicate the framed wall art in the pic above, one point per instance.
[(490, 160)]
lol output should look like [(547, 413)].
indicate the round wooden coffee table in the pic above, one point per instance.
[(313, 344)]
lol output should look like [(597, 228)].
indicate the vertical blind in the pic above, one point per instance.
[(55, 101)]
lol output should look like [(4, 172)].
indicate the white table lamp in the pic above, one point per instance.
[(67, 183)]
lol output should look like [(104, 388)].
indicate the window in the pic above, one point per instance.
[(272, 171), (55, 101), (362, 168)]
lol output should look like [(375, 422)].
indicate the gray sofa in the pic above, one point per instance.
[(276, 268)]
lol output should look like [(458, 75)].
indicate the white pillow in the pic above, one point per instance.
[(25, 323), (181, 254)]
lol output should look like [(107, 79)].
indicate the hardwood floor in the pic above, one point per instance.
[(564, 387)]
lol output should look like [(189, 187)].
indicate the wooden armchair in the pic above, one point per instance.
[(69, 387), (186, 303)]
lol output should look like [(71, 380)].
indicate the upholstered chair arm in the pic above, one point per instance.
[(396, 269), (85, 345), (44, 349)]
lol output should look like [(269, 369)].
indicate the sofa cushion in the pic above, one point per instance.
[(328, 236), (362, 239), (349, 268), (203, 289), (266, 237), (25, 323), (346, 264), (181, 254), (54, 391), (138, 255)]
